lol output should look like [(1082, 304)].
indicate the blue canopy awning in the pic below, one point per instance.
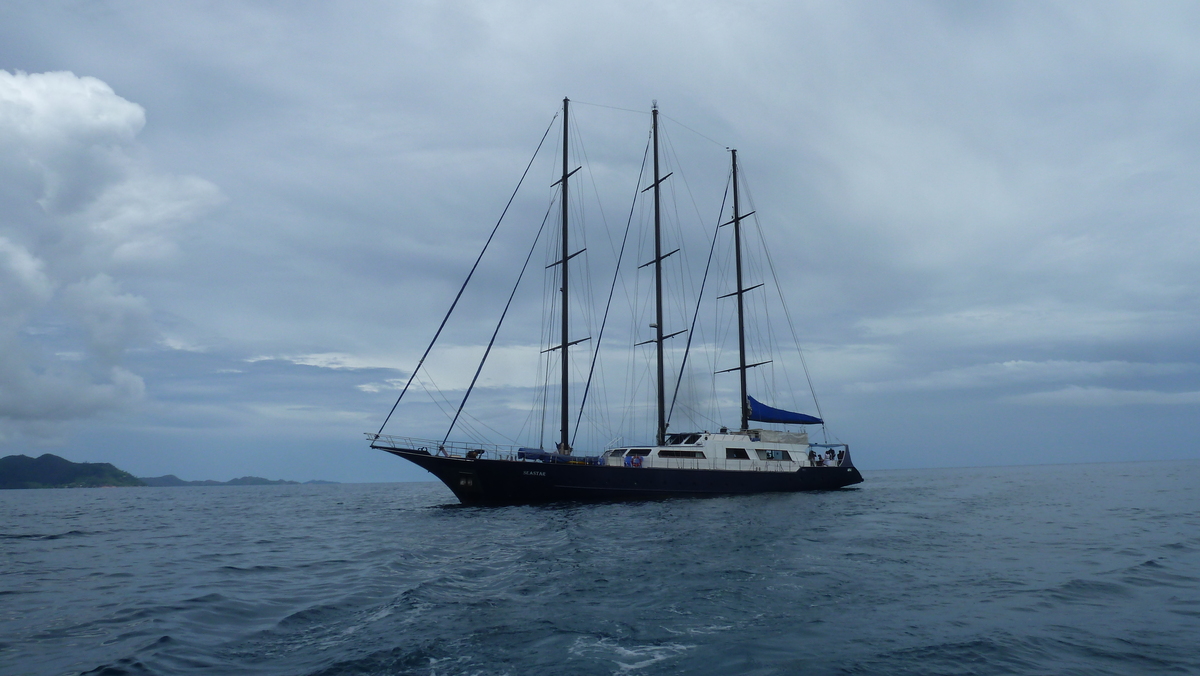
[(762, 413)]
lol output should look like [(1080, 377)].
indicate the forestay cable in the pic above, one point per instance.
[(445, 319), (498, 325)]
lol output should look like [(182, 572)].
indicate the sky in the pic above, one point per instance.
[(229, 230)]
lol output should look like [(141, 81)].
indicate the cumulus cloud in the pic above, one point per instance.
[(113, 319), (454, 365), (79, 207), (23, 278), (69, 131), (37, 392)]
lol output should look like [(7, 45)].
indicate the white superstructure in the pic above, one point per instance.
[(753, 450)]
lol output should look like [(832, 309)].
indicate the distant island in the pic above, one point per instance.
[(51, 471), (171, 480)]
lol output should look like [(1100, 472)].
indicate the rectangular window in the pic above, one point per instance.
[(768, 454), (639, 451), (616, 453), (680, 454), (736, 454)]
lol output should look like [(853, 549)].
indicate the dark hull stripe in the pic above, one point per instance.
[(505, 482)]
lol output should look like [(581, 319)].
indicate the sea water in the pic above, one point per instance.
[(1078, 569)]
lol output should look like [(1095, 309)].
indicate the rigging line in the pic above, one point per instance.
[(542, 428), (498, 325), (787, 313), (611, 289), (444, 411), (696, 412), (589, 314), (432, 398), (601, 105), (699, 296), (773, 340), (686, 281), (449, 404), (694, 131), (438, 333)]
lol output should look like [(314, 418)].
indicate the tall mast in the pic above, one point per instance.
[(658, 293), (737, 247), (565, 445)]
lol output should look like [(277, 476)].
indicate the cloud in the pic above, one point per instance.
[(977, 202), (133, 221), (37, 391), (452, 365), (1031, 322), (307, 414), (80, 206), (1001, 374), (389, 384), (24, 281), (178, 344), (331, 360), (70, 131), (113, 319), (1075, 395)]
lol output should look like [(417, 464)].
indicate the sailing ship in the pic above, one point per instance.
[(744, 460)]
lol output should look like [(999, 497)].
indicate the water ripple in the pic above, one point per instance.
[(1073, 570)]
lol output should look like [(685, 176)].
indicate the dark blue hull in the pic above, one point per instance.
[(508, 482)]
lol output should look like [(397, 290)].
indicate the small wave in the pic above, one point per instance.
[(317, 614), (41, 536), (251, 569), (126, 666), (1094, 592), (998, 654), (1154, 574), (393, 660), (627, 659), (700, 631), (207, 598)]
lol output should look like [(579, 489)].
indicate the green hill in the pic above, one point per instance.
[(51, 471)]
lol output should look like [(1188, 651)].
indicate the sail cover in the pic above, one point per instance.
[(763, 413)]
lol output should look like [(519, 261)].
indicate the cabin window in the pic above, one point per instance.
[(639, 451), (616, 453), (681, 454), (736, 454), (768, 454), (692, 438)]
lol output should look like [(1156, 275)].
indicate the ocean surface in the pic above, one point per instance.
[(1069, 569)]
